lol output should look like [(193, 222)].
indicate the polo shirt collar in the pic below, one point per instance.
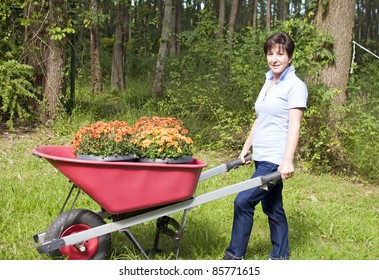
[(290, 69)]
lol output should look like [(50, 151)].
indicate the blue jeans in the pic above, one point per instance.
[(272, 205)]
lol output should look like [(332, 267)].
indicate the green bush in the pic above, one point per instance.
[(313, 47), (361, 125), (319, 148), (360, 134), (17, 92)]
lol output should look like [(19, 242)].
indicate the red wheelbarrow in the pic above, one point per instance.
[(128, 193)]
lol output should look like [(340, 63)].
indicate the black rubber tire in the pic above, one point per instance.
[(78, 218)]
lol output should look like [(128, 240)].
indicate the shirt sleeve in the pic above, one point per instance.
[(298, 95)]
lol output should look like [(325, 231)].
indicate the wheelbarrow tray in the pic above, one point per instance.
[(121, 187)]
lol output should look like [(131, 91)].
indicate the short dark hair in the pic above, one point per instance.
[(282, 39)]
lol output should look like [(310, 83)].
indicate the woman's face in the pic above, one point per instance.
[(278, 60)]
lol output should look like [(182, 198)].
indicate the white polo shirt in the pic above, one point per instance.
[(270, 136)]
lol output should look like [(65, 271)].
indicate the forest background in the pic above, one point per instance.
[(65, 64)]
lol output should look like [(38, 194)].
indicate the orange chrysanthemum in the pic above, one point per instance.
[(149, 137)]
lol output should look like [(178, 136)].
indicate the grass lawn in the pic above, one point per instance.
[(330, 217)]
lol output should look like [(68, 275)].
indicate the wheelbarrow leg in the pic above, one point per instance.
[(176, 234), (73, 187), (163, 228), (135, 242), (180, 232)]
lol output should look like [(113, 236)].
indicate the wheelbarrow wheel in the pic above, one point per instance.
[(74, 221)]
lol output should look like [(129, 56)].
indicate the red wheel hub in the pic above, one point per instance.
[(87, 249)]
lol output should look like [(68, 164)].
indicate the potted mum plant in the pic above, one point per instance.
[(162, 140), (104, 141)]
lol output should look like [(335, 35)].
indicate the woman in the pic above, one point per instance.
[(273, 138)]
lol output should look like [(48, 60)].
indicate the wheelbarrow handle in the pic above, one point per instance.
[(236, 163), (270, 177)]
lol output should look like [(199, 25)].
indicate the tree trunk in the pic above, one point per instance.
[(282, 11), (338, 20), (232, 22), (268, 16), (118, 54), (376, 24), (158, 87), (96, 77), (221, 19), (255, 12), (178, 24), (262, 14), (173, 44), (368, 11), (56, 60), (129, 19)]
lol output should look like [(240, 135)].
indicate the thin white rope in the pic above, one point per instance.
[(353, 57), (370, 52)]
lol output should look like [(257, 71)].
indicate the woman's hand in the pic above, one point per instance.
[(287, 170), (242, 156)]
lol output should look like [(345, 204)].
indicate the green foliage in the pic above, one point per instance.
[(17, 92), (198, 86), (319, 147), (361, 125), (139, 66), (109, 105), (58, 33), (313, 48), (6, 8), (349, 148), (364, 82), (10, 38), (88, 17), (360, 129)]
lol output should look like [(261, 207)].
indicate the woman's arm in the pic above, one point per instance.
[(286, 168), (248, 143)]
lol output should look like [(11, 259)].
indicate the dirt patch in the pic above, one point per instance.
[(18, 131)]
